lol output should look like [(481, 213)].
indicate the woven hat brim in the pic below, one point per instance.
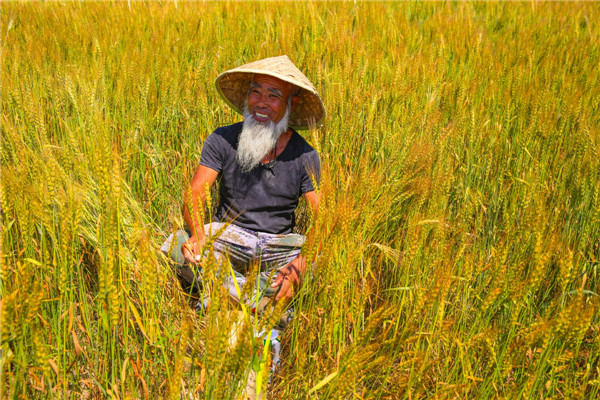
[(309, 111)]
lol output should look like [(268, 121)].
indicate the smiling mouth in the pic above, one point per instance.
[(261, 116)]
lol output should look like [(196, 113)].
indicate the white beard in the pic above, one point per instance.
[(257, 139)]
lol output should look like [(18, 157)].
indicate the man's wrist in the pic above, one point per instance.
[(197, 236)]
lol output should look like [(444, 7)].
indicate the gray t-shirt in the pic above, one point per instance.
[(265, 198)]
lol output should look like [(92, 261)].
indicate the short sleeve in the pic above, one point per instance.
[(212, 152), (311, 172)]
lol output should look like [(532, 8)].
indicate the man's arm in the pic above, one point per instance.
[(313, 200), (291, 276), (194, 197)]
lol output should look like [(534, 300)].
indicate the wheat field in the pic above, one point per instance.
[(460, 200)]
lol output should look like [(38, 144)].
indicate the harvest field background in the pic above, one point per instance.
[(460, 211)]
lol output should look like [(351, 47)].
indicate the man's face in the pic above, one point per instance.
[(268, 97)]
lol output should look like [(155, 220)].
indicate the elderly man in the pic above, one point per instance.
[(263, 166)]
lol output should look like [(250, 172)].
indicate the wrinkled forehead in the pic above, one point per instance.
[(272, 83)]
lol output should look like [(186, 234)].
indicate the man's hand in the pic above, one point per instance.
[(290, 278), (192, 250)]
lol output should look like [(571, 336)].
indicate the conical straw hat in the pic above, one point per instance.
[(233, 86)]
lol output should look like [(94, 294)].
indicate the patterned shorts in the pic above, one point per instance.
[(242, 247)]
